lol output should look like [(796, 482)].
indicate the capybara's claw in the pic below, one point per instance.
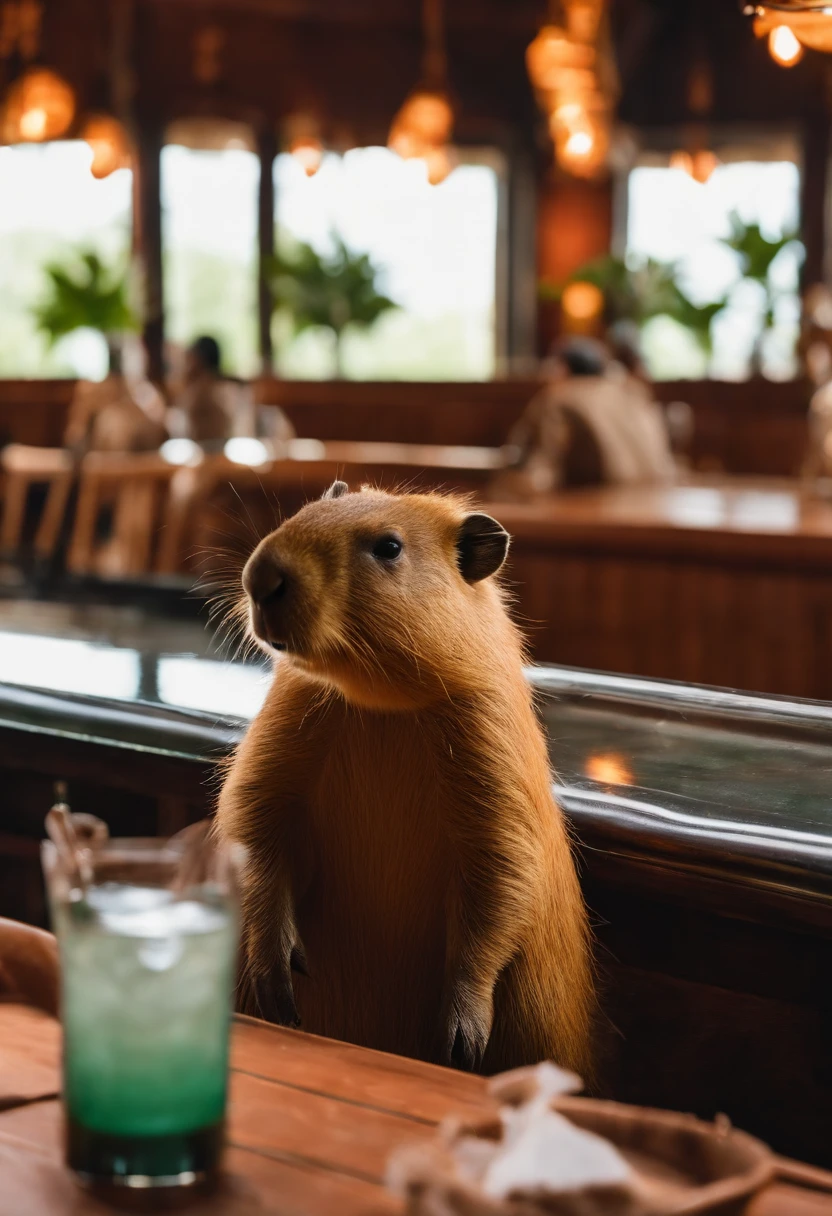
[(276, 998), (466, 1030)]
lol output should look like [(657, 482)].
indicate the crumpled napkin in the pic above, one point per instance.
[(530, 1160)]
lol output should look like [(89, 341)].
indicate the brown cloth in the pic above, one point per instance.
[(584, 431)]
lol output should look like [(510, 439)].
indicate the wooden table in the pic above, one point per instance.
[(312, 1124)]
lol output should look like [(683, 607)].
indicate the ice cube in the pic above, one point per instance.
[(160, 953)]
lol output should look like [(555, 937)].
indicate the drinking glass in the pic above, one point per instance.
[(147, 933)]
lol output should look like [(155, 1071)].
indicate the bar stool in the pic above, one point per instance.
[(135, 486), (24, 467)]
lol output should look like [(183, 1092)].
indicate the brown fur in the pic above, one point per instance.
[(395, 800)]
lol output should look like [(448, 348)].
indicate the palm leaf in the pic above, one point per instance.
[(83, 294), (754, 252), (332, 291)]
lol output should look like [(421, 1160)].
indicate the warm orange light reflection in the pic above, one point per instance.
[(783, 47), (609, 768)]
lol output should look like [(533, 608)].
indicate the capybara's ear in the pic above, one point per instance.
[(481, 547), (337, 490)]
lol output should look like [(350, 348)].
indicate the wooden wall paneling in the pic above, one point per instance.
[(34, 411), (695, 1001), (757, 428), (752, 625)]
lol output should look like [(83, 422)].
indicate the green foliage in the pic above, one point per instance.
[(332, 291), (86, 294), (754, 252), (650, 289), (696, 318), (630, 293), (640, 292)]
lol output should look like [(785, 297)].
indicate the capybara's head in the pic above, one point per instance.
[(386, 596)]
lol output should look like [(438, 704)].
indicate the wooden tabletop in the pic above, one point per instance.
[(312, 1124), (709, 516)]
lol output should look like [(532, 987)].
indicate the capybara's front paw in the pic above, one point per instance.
[(275, 997), (273, 988), (466, 1028)]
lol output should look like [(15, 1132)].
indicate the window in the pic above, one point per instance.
[(435, 247), (209, 238), (672, 218), (50, 207)]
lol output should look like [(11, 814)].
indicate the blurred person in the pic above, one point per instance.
[(816, 350), (624, 344), (204, 406), (115, 415), (210, 409), (594, 423)]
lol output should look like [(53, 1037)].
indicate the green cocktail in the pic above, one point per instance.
[(147, 980)]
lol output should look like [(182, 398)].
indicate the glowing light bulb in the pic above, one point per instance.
[(582, 301), (109, 143), (784, 47), (579, 143), (33, 124), (39, 106), (308, 153)]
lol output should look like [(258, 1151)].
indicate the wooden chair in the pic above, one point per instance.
[(24, 467), (105, 416), (135, 486)]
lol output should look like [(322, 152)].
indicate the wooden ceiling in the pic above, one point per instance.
[(352, 61)]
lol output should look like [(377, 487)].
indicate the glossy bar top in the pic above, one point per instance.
[(737, 776)]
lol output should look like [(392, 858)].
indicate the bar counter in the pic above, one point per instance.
[(714, 582)]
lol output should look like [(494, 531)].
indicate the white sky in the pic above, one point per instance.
[(437, 243), (671, 217), (49, 186)]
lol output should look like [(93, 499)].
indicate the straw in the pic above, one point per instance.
[(73, 853)]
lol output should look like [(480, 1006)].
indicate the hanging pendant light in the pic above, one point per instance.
[(697, 159), (302, 138), (571, 69), (810, 22), (423, 126), (109, 143), (39, 106)]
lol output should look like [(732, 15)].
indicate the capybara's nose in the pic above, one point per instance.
[(264, 579)]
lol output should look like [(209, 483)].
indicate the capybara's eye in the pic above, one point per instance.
[(387, 548)]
